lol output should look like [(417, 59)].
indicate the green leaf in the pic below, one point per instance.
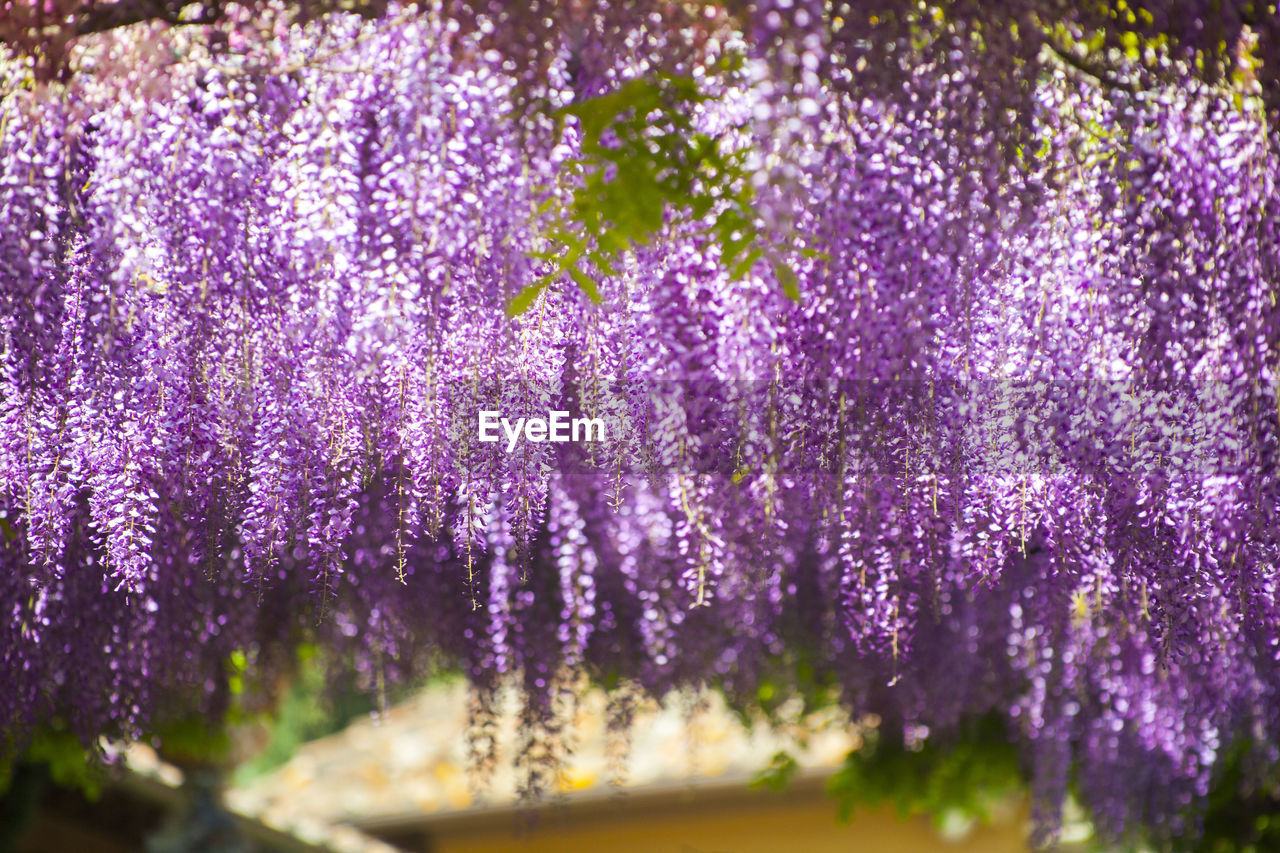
[(700, 205), (613, 242), (788, 279), (584, 281), (743, 267), (522, 300), (604, 263), (782, 768), (70, 764)]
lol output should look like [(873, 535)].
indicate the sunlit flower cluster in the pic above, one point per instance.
[(1014, 450)]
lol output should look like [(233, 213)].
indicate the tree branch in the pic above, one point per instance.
[(98, 18), (1101, 75)]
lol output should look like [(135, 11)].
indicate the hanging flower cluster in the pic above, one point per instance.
[(1013, 449)]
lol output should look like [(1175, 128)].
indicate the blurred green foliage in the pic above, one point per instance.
[(313, 706), (644, 166), (67, 762), (782, 767), (1243, 813), (966, 775)]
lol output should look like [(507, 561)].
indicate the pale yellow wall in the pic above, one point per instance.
[(757, 825)]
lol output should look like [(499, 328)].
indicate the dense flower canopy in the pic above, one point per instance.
[(955, 390)]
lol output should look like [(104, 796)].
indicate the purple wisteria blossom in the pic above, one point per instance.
[(1014, 450)]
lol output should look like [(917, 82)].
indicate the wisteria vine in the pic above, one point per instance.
[(1011, 451)]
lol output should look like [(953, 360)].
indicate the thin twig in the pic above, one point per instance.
[(1101, 75), (314, 61)]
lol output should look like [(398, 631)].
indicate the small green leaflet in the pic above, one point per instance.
[(644, 168)]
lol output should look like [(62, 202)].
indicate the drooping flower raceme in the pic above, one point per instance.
[(1012, 451)]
